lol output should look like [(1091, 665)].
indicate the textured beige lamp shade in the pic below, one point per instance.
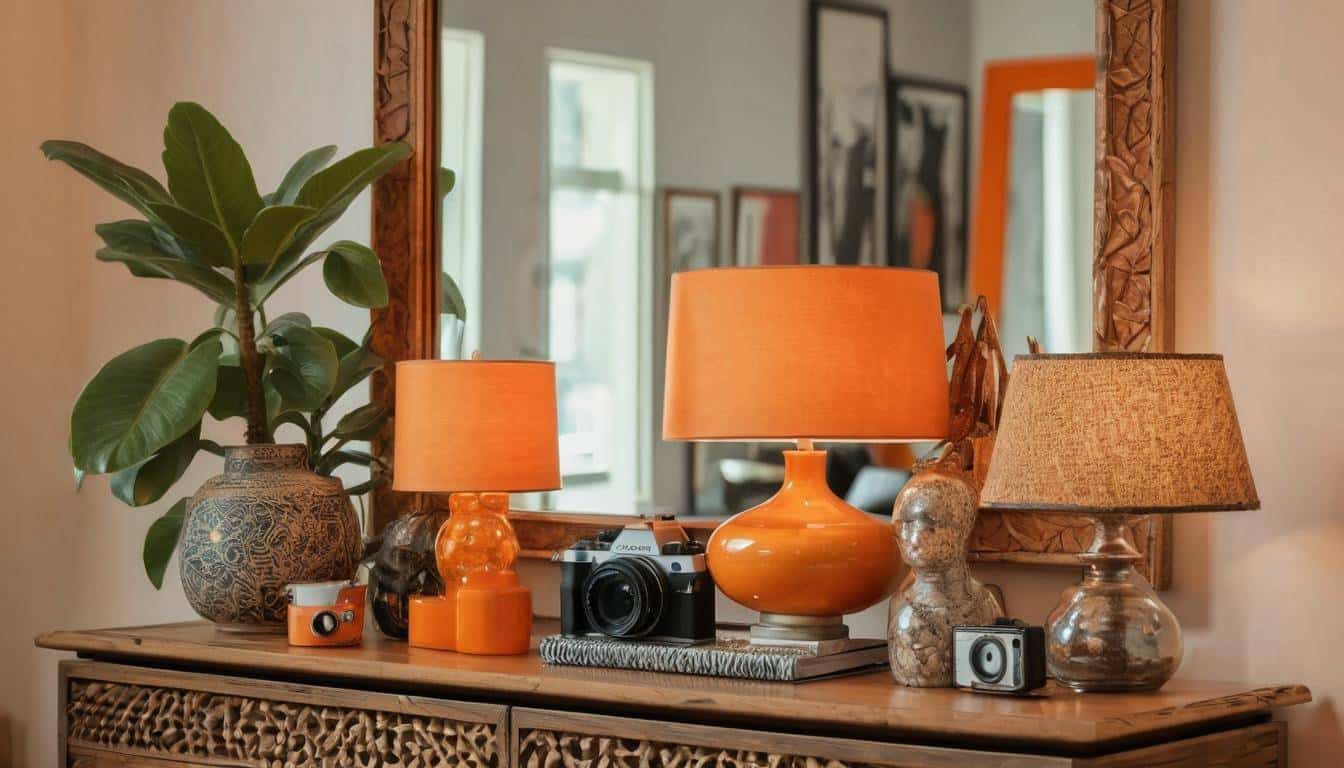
[(1110, 435), (475, 425), (1127, 433)]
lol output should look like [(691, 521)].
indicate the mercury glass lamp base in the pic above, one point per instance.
[(1111, 633), (775, 628)]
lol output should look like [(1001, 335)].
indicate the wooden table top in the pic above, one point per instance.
[(868, 704)]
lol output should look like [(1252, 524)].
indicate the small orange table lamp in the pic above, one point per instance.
[(477, 429), (804, 353)]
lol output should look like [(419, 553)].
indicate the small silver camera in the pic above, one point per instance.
[(1006, 657)]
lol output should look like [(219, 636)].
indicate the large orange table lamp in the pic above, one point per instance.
[(805, 354), (476, 429)]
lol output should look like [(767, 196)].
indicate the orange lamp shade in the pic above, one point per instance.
[(475, 425), (823, 352)]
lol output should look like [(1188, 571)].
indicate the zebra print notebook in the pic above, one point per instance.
[(731, 655)]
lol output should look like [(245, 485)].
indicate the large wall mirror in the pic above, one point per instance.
[(599, 146)]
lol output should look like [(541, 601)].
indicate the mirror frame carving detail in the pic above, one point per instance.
[(1133, 264)]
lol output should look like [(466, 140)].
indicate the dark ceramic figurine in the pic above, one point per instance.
[(403, 566)]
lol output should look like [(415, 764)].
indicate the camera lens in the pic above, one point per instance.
[(989, 660), (324, 623), (623, 597)]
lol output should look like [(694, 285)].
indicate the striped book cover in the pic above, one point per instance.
[(731, 655)]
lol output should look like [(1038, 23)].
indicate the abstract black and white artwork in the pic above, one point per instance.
[(929, 199), (848, 145), (690, 230)]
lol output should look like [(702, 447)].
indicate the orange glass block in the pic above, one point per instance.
[(490, 613)]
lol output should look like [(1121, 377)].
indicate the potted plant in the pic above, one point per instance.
[(276, 515)]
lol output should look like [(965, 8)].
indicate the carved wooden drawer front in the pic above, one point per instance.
[(550, 739), (132, 716)]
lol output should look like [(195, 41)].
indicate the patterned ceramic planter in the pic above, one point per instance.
[(266, 522)]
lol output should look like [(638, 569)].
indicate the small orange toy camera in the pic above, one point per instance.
[(326, 613)]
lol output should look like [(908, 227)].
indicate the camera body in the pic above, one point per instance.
[(1005, 657), (326, 613), (647, 580)]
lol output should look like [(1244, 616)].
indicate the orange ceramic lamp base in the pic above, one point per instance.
[(804, 558), (484, 610)]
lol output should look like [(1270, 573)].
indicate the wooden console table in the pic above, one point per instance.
[(186, 695)]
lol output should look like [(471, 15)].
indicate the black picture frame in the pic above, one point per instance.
[(811, 154), (896, 255)]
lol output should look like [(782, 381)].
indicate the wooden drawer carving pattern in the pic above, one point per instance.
[(162, 721), (553, 749)]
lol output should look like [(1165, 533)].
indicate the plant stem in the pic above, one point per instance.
[(257, 430)]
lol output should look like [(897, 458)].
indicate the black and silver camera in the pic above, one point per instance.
[(647, 580), (1007, 657)]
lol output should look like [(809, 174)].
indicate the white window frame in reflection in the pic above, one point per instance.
[(462, 109), (617, 479)]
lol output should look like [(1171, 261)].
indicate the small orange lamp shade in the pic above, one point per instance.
[(475, 425), (823, 352)]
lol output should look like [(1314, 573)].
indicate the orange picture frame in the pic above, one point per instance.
[(1004, 80)]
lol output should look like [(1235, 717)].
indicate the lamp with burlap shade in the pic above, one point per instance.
[(1119, 432), (1108, 435)]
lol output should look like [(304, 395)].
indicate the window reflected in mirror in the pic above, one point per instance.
[(599, 146)]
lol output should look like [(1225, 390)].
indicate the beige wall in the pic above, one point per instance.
[(1257, 279), (284, 77)]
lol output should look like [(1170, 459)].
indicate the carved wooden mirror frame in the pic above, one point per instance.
[(1132, 266)]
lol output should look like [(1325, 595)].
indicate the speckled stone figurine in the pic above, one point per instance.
[(266, 522), (934, 514)]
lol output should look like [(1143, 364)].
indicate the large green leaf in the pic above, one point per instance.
[(208, 173), (141, 401), (262, 288), (361, 423), (128, 184), (271, 231), (147, 482), (356, 365), (354, 275), (278, 325), (311, 162), (161, 541), (230, 399), (135, 244), (342, 343), (450, 298), (302, 367), (447, 180), (347, 177), (205, 238)]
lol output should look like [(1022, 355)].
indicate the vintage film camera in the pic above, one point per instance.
[(647, 580), (1006, 657), (326, 613)]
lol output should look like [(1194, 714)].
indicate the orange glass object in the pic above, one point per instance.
[(804, 552), (489, 613), (475, 426), (852, 354), (477, 537)]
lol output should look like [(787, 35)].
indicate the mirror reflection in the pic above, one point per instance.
[(599, 146)]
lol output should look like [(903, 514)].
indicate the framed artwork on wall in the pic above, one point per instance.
[(930, 146), (765, 226), (690, 234), (848, 139)]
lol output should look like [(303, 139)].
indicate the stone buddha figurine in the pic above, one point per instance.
[(934, 514)]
